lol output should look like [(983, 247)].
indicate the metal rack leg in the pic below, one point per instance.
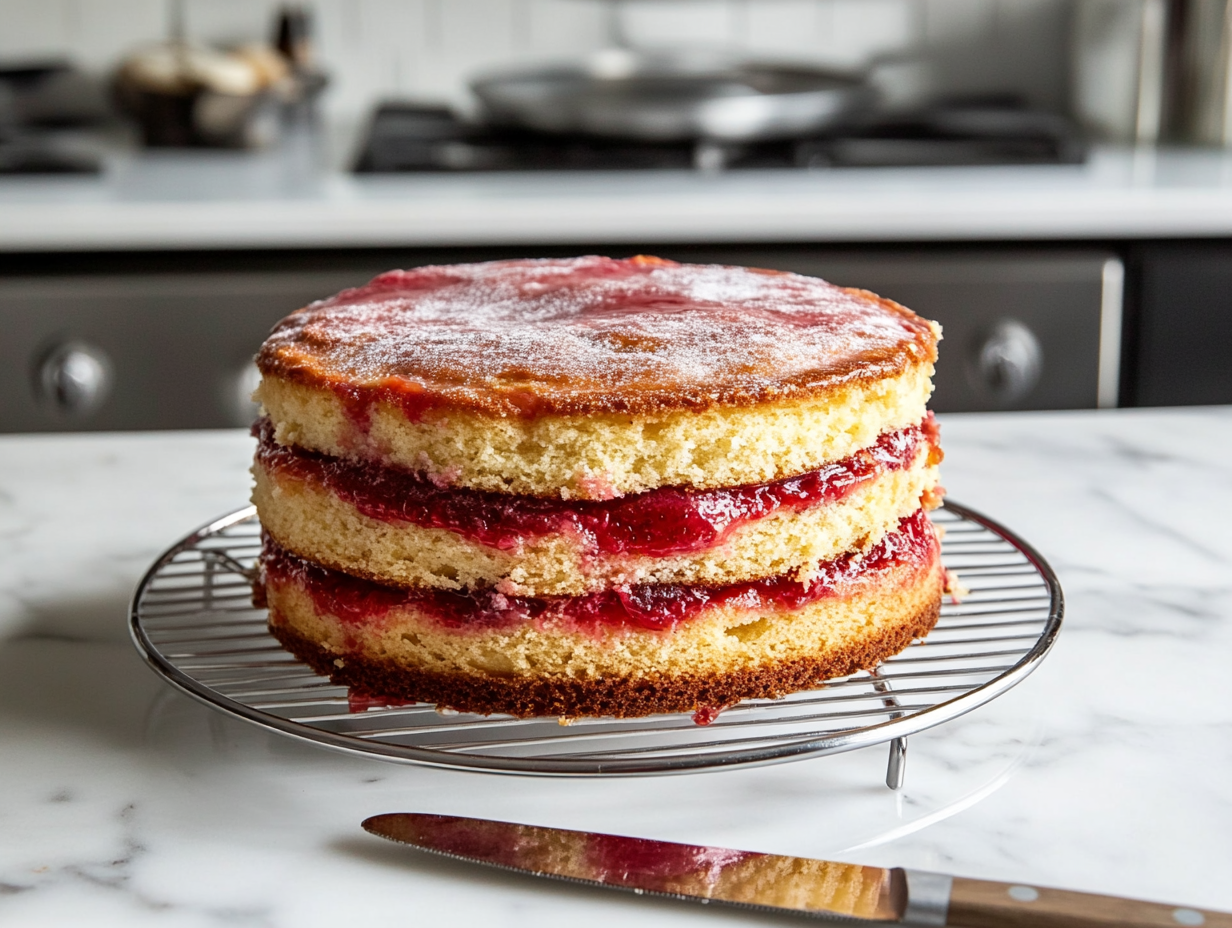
[(897, 768)]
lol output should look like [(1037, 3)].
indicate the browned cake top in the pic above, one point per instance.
[(591, 335)]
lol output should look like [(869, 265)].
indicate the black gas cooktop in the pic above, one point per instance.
[(404, 137)]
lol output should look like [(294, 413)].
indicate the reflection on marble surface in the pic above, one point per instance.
[(126, 803)]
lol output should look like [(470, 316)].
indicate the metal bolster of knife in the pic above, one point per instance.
[(928, 897)]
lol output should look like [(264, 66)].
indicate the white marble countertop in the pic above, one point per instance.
[(170, 200), (125, 803)]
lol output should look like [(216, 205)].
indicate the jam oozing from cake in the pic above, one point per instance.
[(706, 715), (654, 607), (590, 335), (657, 523), (358, 702)]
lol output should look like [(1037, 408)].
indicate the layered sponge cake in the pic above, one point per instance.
[(597, 487)]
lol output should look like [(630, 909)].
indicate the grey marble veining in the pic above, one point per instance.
[(124, 803)]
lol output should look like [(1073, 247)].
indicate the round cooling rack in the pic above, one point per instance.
[(193, 621)]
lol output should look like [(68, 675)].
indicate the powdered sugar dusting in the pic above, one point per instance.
[(593, 334)]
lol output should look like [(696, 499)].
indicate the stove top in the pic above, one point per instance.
[(406, 137)]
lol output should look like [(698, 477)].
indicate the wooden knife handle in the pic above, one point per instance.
[(985, 904)]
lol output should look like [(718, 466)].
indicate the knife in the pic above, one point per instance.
[(846, 893)]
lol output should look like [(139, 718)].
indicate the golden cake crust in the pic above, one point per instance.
[(614, 696), (588, 336)]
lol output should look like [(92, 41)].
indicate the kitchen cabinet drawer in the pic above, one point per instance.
[(141, 351)]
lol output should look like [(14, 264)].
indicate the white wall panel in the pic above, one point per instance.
[(98, 32), (228, 21), (862, 29), (33, 29), (565, 28), (698, 23), (784, 28)]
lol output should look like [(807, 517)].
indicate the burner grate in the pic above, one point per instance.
[(193, 621)]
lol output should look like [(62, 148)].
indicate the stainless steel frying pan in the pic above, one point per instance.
[(672, 99)]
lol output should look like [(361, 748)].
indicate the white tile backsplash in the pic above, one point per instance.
[(562, 28), (29, 29), (426, 49), (700, 23), (785, 28), (227, 20), (958, 20), (98, 32), (858, 30)]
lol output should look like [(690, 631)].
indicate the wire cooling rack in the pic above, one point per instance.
[(193, 621)]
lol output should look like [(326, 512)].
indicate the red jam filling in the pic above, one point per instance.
[(657, 523), (654, 607)]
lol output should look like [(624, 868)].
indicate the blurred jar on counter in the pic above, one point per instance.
[(1118, 68), (1199, 95), (184, 94), (1148, 71)]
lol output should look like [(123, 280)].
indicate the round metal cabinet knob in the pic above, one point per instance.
[(1008, 362), (75, 377)]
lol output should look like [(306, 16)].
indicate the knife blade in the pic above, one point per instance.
[(823, 889)]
